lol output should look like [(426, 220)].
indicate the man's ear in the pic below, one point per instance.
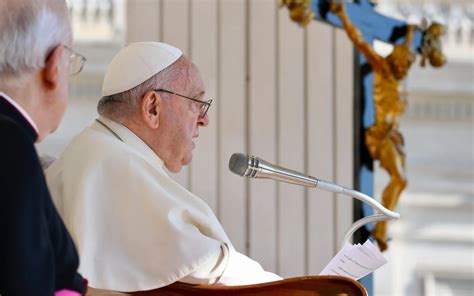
[(150, 109), (51, 69)]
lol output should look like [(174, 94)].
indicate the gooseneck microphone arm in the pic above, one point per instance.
[(253, 167)]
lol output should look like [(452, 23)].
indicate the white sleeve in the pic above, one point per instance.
[(230, 268)]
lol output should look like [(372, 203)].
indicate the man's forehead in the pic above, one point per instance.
[(189, 81), (195, 85)]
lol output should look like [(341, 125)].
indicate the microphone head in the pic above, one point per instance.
[(238, 163)]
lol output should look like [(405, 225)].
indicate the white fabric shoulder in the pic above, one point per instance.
[(134, 226)]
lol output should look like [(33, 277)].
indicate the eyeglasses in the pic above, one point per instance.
[(204, 105), (76, 60)]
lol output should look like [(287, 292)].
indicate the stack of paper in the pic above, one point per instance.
[(355, 261)]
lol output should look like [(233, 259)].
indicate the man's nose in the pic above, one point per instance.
[(203, 120)]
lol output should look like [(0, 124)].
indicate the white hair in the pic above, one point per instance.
[(29, 31)]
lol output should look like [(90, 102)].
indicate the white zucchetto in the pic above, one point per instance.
[(136, 63)]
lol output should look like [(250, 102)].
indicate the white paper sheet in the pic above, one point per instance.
[(355, 261)]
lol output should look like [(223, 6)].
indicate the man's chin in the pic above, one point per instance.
[(173, 169), (187, 159), (176, 168)]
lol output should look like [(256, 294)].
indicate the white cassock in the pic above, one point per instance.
[(135, 227)]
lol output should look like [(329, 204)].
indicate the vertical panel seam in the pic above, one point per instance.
[(334, 137), (189, 49), (247, 122), (218, 108), (277, 137), (162, 23), (305, 149)]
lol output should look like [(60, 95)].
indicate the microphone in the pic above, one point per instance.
[(253, 167)]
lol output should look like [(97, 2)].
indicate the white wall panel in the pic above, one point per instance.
[(263, 128), (204, 168), (343, 114), (320, 150), (291, 145), (146, 15), (175, 26), (232, 123)]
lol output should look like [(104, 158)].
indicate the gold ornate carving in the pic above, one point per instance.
[(299, 11), (383, 139), (431, 48)]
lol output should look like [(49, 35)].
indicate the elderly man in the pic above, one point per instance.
[(135, 227), (37, 255)]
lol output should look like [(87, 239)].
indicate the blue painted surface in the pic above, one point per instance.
[(366, 186), (368, 283), (372, 24), (368, 113)]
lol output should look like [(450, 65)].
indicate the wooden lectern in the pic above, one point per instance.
[(303, 286)]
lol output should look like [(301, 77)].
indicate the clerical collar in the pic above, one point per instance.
[(123, 134), (109, 129), (21, 111)]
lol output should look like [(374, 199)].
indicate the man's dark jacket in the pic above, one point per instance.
[(37, 255)]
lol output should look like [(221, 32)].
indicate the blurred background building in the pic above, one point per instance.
[(432, 246)]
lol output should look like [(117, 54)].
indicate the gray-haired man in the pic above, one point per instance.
[(37, 255)]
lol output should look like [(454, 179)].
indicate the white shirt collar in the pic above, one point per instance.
[(21, 110), (129, 137)]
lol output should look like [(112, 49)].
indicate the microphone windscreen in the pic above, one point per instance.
[(238, 163)]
